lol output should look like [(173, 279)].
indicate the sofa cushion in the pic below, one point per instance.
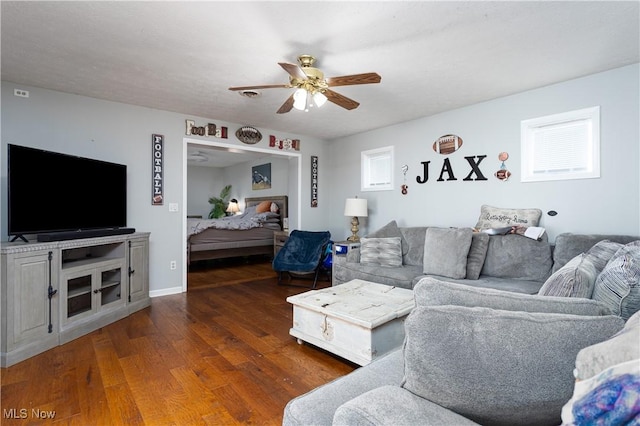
[(446, 250), (568, 246), (318, 406), (477, 254), (618, 285), (494, 366), (414, 235), (392, 405), (402, 276), (381, 251), (431, 292), (391, 230), (496, 217), (515, 256), (604, 369), (602, 252), (622, 347), (575, 279)]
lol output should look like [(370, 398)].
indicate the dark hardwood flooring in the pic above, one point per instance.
[(220, 354)]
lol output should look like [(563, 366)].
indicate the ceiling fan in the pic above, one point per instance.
[(312, 89)]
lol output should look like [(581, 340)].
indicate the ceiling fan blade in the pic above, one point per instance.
[(265, 86), (348, 80), (293, 70), (286, 106), (341, 100)]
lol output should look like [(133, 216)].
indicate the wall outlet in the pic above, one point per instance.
[(173, 207), (173, 265), (21, 93)]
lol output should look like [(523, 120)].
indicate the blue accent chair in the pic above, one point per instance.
[(302, 256)]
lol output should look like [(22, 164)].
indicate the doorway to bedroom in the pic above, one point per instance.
[(208, 167)]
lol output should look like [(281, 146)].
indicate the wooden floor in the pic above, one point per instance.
[(220, 354)]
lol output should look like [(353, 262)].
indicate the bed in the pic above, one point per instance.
[(205, 243)]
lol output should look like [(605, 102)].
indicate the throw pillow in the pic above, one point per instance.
[(446, 250), (477, 254), (381, 251), (575, 279), (515, 256), (602, 252), (391, 230), (454, 355), (274, 208), (495, 217), (263, 207), (618, 285), (431, 291), (622, 347)]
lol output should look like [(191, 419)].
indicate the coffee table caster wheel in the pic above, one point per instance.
[(300, 341)]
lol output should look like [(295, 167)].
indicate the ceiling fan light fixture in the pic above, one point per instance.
[(300, 99), (319, 99)]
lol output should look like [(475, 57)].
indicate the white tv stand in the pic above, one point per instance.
[(54, 292)]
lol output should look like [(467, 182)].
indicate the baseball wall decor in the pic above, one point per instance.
[(447, 144), (286, 144)]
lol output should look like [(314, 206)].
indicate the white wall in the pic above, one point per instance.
[(121, 133), (610, 204), (202, 184)]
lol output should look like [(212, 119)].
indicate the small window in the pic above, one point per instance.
[(561, 146), (377, 169)]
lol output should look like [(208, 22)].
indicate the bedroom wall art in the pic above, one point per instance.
[(261, 176), (157, 170), (210, 130), (314, 181)]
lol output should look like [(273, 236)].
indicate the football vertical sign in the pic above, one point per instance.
[(157, 170), (314, 181)]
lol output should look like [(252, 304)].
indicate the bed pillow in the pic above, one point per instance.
[(381, 251), (618, 285), (495, 217), (445, 252), (525, 359), (263, 207), (575, 279)]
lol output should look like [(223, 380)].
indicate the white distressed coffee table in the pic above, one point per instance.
[(357, 320)]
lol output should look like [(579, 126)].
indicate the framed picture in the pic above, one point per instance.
[(261, 176)]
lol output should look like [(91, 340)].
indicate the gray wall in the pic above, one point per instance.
[(122, 133), (610, 204)]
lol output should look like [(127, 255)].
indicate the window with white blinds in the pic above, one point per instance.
[(377, 169), (561, 146)]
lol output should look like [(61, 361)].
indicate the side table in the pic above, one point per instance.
[(279, 238)]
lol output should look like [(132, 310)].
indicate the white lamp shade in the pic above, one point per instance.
[(356, 207), (233, 207)]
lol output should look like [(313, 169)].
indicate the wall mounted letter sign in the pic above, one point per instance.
[(157, 170)]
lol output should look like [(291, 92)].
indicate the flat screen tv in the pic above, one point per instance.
[(50, 192)]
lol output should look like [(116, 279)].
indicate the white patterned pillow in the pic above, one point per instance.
[(618, 285), (381, 251), (575, 279), (496, 217)]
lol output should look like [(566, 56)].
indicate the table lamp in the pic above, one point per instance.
[(355, 207)]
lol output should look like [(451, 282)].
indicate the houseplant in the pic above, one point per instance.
[(219, 204)]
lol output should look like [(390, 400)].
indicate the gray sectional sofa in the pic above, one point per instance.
[(481, 356), (504, 262), (479, 350)]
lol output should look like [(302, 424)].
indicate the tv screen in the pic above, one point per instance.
[(49, 192)]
